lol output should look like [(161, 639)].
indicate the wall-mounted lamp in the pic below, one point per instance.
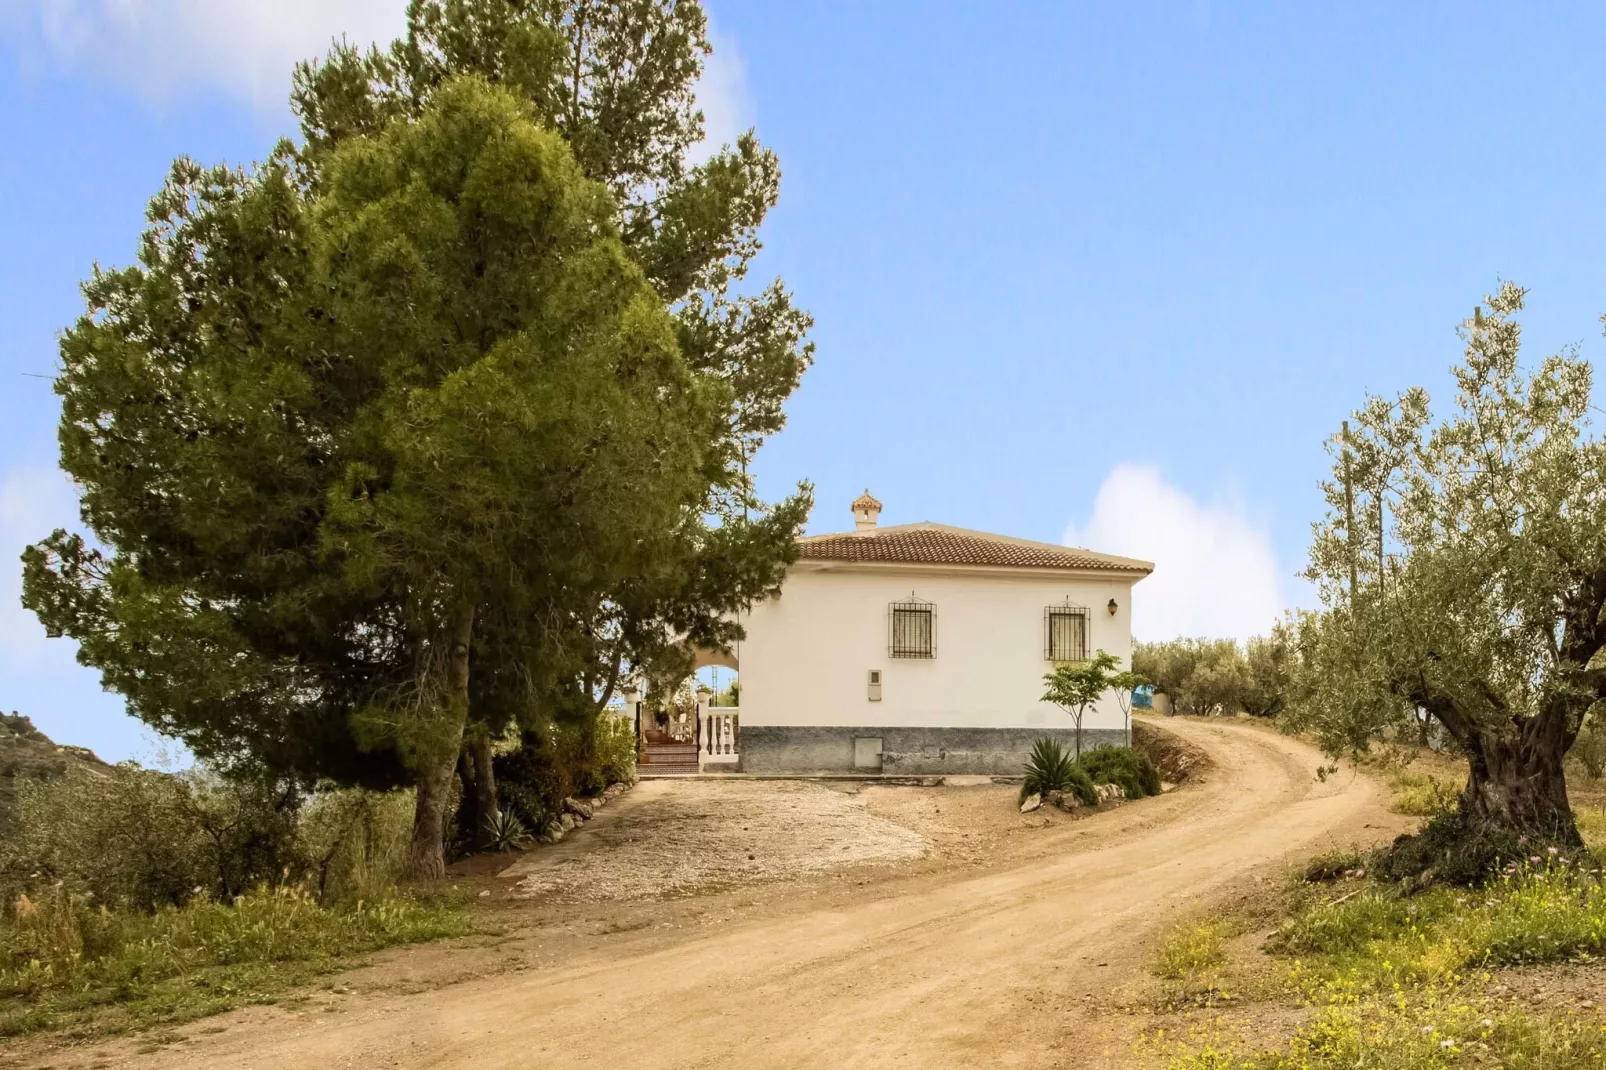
[(1112, 607)]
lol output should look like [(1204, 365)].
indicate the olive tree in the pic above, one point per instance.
[(1462, 572)]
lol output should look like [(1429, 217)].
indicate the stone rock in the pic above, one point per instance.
[(1110, 792), (567, 822), (1166, 787), (547, 838), (577, 808), (1033, 802), (1062, 801)]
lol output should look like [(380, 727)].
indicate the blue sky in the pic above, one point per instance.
[(1100, 272)]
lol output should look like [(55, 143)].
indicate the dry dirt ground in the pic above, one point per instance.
[(967, 935)]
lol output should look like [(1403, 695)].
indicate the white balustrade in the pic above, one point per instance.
[(718, 738)]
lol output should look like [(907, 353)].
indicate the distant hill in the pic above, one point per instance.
[(28, 754)]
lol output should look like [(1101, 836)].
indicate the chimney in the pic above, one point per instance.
[(865, 511)]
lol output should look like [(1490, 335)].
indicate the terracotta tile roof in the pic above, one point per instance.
[(936, 544)]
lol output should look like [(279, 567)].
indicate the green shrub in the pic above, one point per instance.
[(616, 749), (140, 839), (353, 843), (1589, 750), (1050, 767), (1130, 769), (560, 760), (1456, 848)]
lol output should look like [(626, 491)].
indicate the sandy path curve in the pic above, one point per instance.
[(958, 970)]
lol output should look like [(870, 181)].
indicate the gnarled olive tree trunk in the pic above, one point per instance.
[(1515, 776)]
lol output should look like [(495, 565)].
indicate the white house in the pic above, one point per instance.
[(918, 649)]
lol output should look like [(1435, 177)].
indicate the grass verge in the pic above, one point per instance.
[(1382, 981), (69, 965), (1432, 1028)]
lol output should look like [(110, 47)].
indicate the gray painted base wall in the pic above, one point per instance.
[(908, 751)]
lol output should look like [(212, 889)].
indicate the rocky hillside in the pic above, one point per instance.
[(27, 753)]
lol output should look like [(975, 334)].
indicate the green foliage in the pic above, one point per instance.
[(1075, 687), (139, 839), (136, 839), (443, 416), (560, 760), (1270, 662), (616, 750), (351, 844), (1421, 795), (1459, 848), (1202, 676), (1589, 751), (1461, 564), (1050, 768), (1333, 865), (1130, 769), (1538, 911), (1432, 1030), (1192, 951), (66, 959), (1191, 959), (505, 832)]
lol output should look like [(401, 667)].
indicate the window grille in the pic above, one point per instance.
[(912, 629), (1065, 632)]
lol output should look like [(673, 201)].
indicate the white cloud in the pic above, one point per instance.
[(246, 48), (722, 95), (1215, 572)]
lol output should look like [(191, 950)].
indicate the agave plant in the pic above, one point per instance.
[(505, 832), (1050, 768)]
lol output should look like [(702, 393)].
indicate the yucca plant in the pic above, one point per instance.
[(505, 832)]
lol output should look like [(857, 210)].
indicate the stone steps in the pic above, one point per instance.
[(669, 759)]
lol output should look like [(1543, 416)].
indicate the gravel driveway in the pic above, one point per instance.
[(675, 837)]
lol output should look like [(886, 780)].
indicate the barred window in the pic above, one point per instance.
[(1065, 632), (912, 629)]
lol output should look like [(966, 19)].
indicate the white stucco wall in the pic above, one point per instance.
[(808, 653)]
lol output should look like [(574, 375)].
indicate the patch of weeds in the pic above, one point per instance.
[(1427, 1029), (1543, 911), (1191, 959), (1592, 827), (1338, 864), (68, 964), (1422, 795)]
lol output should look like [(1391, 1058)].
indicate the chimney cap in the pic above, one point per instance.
[(865, 511)]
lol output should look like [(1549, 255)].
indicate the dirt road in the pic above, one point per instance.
[(989, 969)]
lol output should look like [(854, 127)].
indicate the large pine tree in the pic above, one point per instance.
[(446, 410)]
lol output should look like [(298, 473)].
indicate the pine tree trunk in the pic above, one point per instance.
[(486, 810), (426, 858)]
